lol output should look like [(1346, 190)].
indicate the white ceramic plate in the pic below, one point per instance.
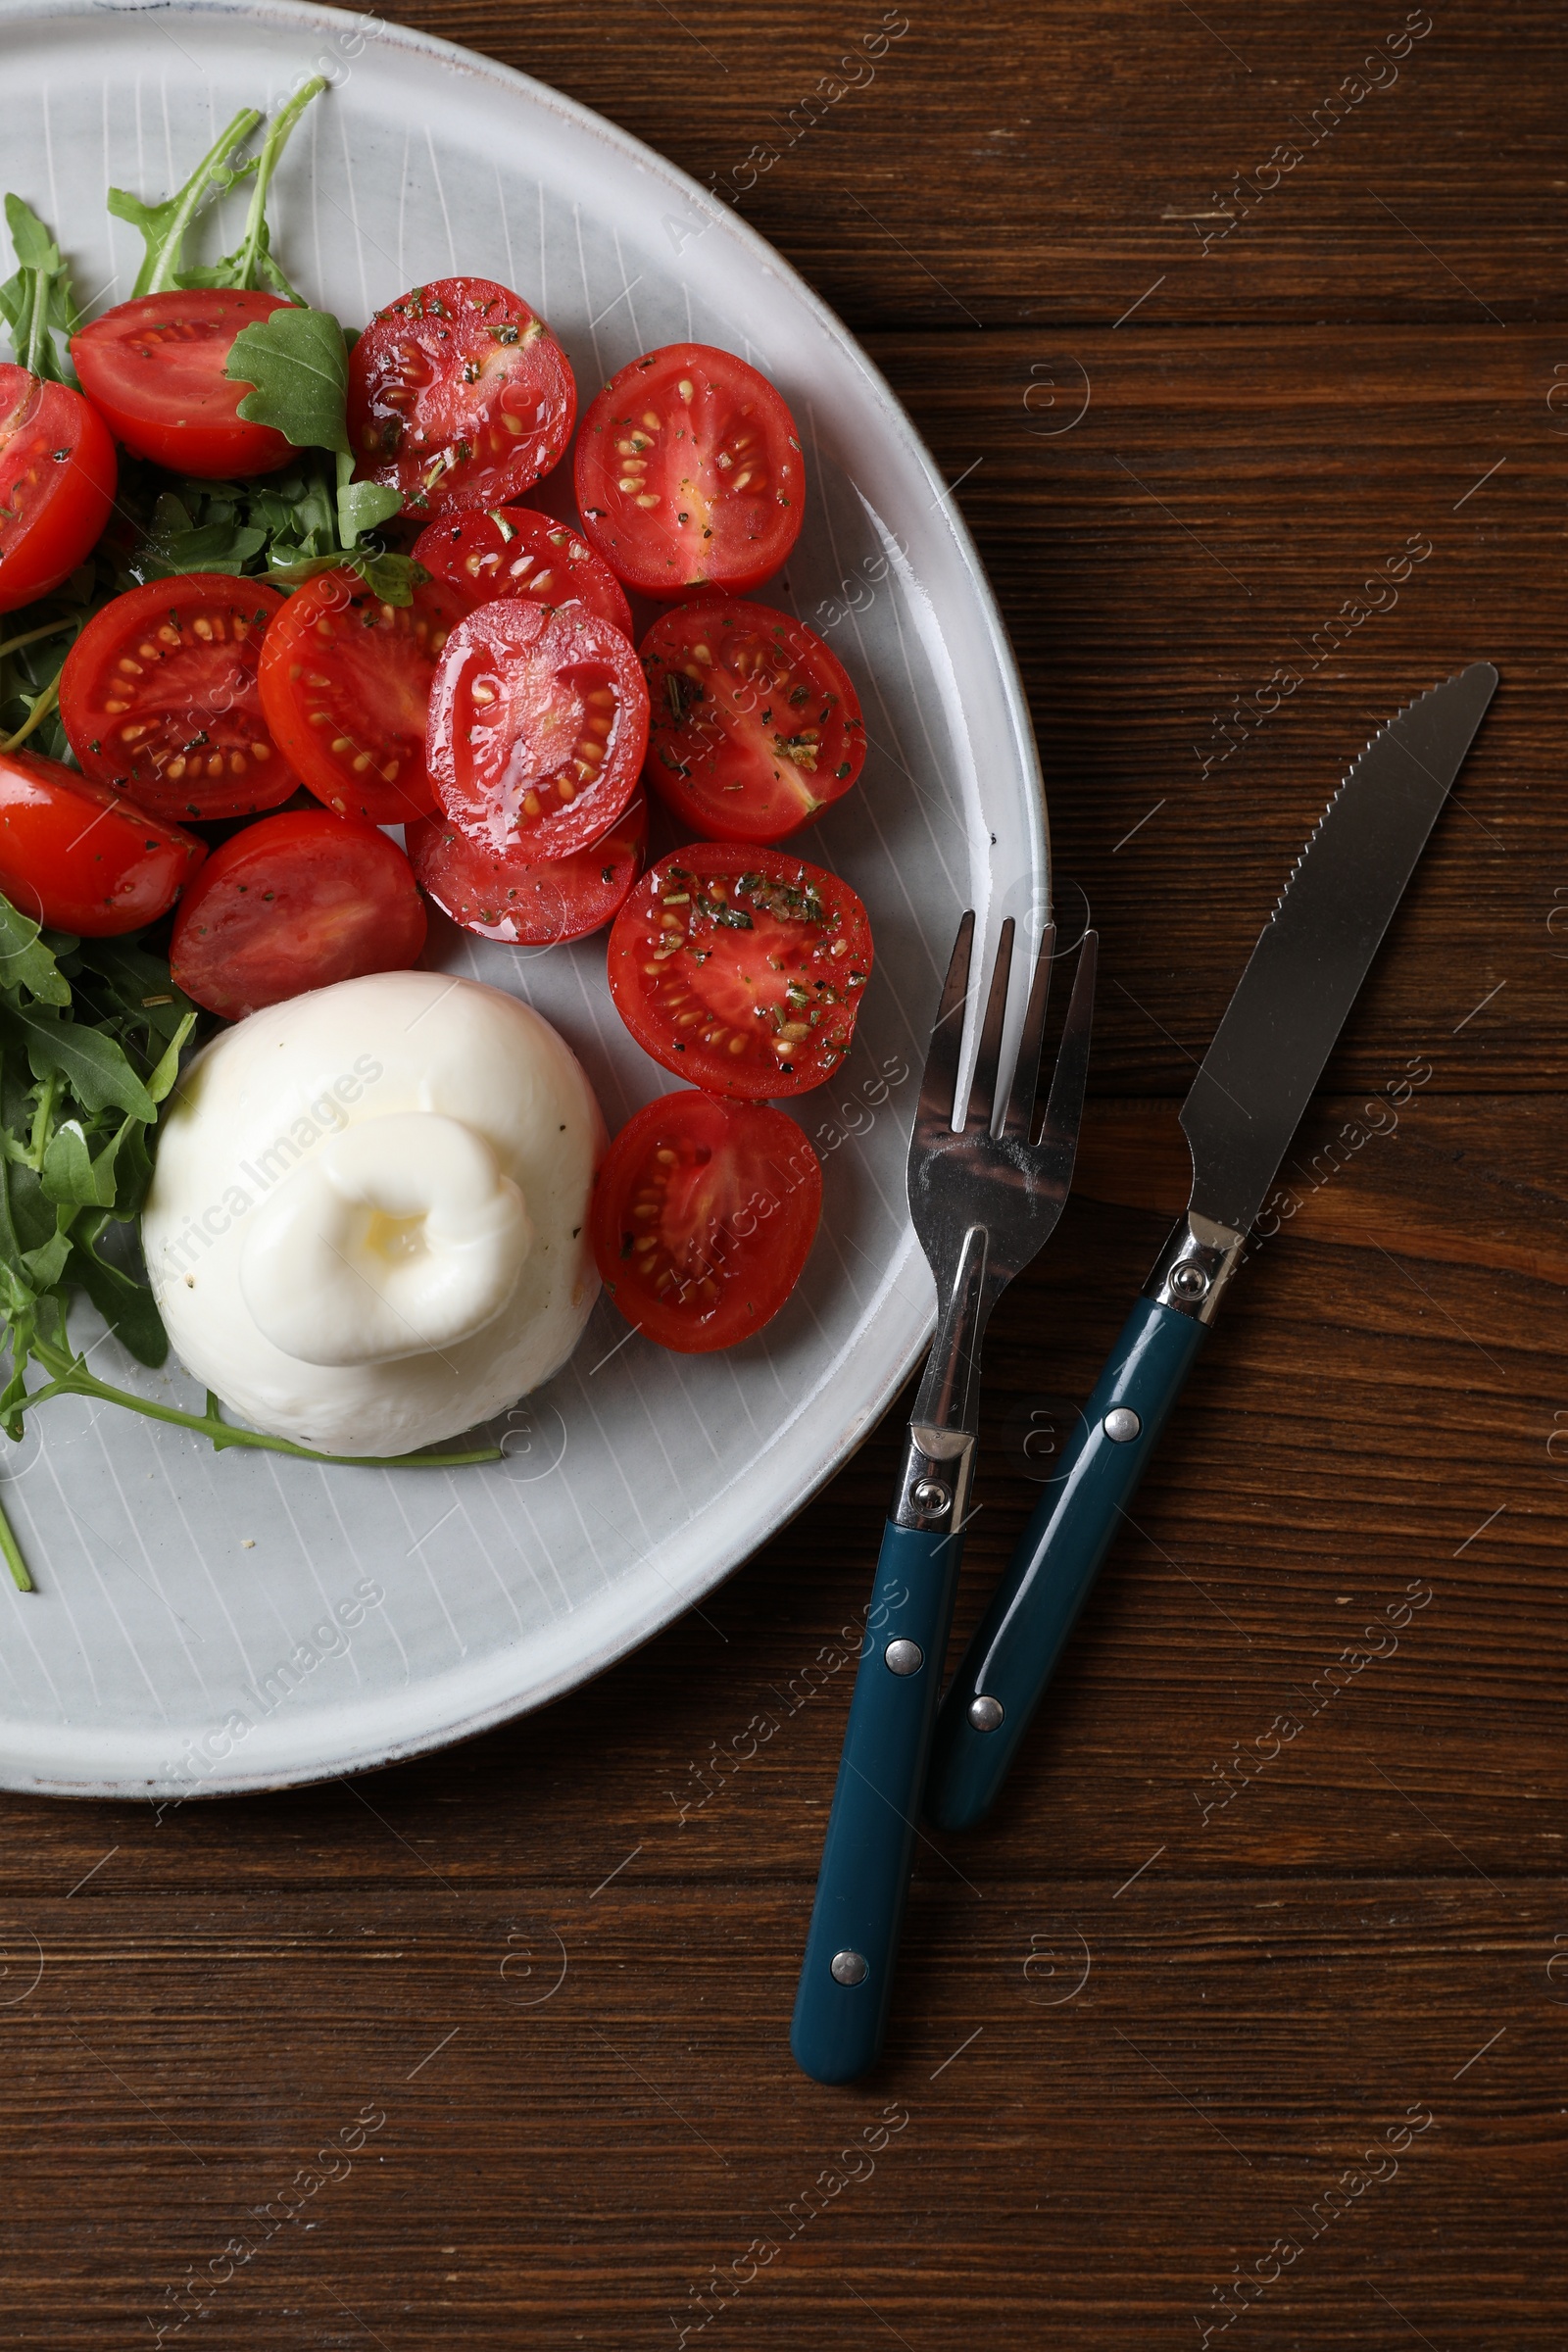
[(203, 1621)]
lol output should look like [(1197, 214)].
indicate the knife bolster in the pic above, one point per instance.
[(1193, 1271)]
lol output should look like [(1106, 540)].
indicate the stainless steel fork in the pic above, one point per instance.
[(983, 1202)]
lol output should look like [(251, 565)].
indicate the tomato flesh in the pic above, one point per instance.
[(295, 903), (159, 698), (345, 685), (56, 485), (458, 396), (519, 901), (538, 726), (153, 369), (511, 551), (79, 858), (689, 473), (741, 970), (703, 1216), (753, 724)]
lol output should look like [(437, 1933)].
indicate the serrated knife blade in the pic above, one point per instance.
[(1305, 971)]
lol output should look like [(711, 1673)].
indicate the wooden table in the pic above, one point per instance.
[(1212, 2000)]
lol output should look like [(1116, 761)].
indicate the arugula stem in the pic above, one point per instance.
[(254, 242), (13, 1558), (73, 1379), (41, 1120), (35, 717), (35, 345), (50, 629), (11, 1550), (159, 275)]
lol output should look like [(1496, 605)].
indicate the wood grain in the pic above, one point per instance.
[(1198, 1963)]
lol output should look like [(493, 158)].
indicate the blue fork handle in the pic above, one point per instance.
[(1036, 1604), (865, 1876)]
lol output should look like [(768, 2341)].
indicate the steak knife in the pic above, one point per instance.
[(1243, 1107)]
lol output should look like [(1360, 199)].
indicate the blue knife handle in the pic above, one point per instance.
[(864, 1878), (1036, 1604)]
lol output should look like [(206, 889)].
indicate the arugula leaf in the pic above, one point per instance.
[(392, 578), (161, 1078), (164, 225), (133, 1172), (93, 1064), (32, 1214), (176, 544), (71, 1174), (361, 506), (36, 302), (298, 363), (127, 1306), (24, 959), (122, 987), (35, 248), (44, 1265)]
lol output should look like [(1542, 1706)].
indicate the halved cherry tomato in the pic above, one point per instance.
[(538, 726), (741, 970), (76, 857), (701, 1217), (56, 485), (511, 551), (689, 473), (753, 724), (345, 684), (159, 698), (153, 369), (458, 396), (518, 901), (294, 903)]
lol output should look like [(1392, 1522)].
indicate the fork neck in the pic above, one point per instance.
[(939, 1458)]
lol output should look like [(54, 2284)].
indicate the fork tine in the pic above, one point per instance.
[(1059, 1137), (939, 1081), (983, 1085), (1021, 1119)]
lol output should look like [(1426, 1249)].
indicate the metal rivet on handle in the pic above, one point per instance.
[(903, 1658), (849, 1968), (985, 1713), (1121, 1425), (930, 1495), (1191, 1281)]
